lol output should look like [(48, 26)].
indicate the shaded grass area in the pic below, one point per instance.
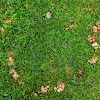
[(43, 53)]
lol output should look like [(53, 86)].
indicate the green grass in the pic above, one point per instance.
[(43, 53)]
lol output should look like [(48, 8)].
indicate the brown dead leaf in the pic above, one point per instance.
[(98, 24), (21, 83), (12, 71), (60, 87), (10, 59), (93, 60), (10, 21), (97, 47), (91, 38), (61, 84), (55, 88), (95, 44), (11, 53), (94, 10), (48, 15), (94, 29), (70, 27), (80, 73), (9, 7), (15, 75), (7, 21), (67, 28), (12, 63), (44, 89)]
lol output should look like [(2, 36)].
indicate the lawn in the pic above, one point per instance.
[(49, 50)]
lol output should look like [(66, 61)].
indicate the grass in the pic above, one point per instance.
[(47, 49)]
